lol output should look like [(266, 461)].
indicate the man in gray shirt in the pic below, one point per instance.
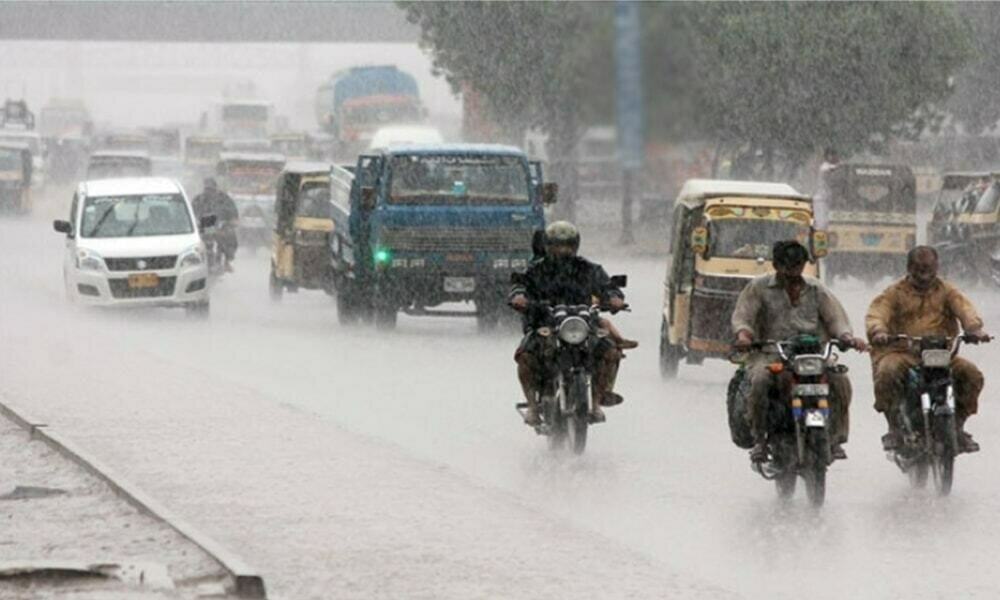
[(781, 305)]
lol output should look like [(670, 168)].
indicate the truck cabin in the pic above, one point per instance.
[(202, 150), (111, 164), (245, 174)]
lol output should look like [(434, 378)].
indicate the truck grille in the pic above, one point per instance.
[(152, 263), (457, 239), (120, 289)]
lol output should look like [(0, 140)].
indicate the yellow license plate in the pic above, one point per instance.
[(143, 280)]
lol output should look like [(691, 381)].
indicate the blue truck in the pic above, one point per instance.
[(420, 226)]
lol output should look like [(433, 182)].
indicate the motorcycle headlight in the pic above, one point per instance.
[(809, 365), (87, 260), (192, 257), (574, 330)]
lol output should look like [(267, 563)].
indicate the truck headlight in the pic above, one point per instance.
[(88, 260), (574, 330)]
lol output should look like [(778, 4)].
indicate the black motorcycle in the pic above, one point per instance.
[(570, 336), (926, 416), (797, 420)]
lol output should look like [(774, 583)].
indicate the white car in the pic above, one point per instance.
[(135, 242)]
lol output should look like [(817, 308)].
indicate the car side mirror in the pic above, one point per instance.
[(619, 281), (368, 198), (63, 227), (548, 192), (208, 221), (820, 243), (699, 240)]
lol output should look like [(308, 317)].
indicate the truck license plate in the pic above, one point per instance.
[(459, 285), (143, 280)]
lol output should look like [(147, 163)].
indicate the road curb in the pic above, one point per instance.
[(246, 583)]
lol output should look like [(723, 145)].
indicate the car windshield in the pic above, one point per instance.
[(752, 238), (9, 159), (314, 201), (135, 216), (458, 179)]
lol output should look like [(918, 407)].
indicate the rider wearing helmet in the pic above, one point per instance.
[(781, 305), (562, 277)]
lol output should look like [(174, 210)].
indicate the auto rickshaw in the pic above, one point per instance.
[(956, 196), (723, 232), (873, 220), (300, 250), (970, 247), (15, 177)]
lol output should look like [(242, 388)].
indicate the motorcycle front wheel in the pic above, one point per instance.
[(814, 469), (579, 404), (945, 449)]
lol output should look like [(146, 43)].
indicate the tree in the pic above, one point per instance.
[(976, 103), (785, 79), (537, 64)]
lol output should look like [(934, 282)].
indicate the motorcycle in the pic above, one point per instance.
[(926, 416), (570, 334), (214, 255), (798, 414)]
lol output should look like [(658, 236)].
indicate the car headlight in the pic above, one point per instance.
[(192, 257), (574, 330), (809, 365), (87, 260)]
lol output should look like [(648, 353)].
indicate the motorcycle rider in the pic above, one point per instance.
[(214, 201), (781, 305), (562, 277), (922, 304)]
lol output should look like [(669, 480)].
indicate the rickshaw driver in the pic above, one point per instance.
[(562, 277), (781, 305), (213, 201)]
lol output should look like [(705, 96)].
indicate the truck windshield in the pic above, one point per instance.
[(752, 238), (10, 160), (135, 216), (252, 178), (118, 167), (371, 114), (458, 179)]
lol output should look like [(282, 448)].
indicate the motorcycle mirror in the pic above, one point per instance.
[(208, 221), (619, 280)]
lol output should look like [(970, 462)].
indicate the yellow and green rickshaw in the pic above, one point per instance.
[(300, 250)]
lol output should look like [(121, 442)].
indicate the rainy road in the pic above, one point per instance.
[(344, 463)]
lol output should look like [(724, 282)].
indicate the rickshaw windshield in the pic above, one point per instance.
[(314, 201), (752, 238), (989, 200)]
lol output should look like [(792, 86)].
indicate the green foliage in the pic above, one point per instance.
[(775, 78), (538, 64)]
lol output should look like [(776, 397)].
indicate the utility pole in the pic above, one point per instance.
[(628, 101)]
